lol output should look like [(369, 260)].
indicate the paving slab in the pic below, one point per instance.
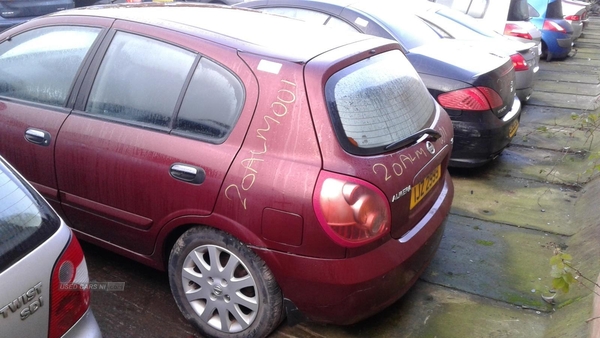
[(519, 202), (557, 137), (496, 261), (548, 75), (566, 87), (434, 311), (563, 100), (543, 165)]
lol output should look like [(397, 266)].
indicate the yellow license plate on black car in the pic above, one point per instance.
[(418, 192), (512, 130)]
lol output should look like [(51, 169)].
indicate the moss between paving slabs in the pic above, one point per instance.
[(462, 315)]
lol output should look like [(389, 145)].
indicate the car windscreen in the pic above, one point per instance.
[(518, 11), (377, 102), (554, 10), (26, 220)]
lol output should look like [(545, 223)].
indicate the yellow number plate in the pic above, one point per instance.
[(512, 130), (420, 190)]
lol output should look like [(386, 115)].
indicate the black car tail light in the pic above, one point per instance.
[(69, 292), (516, 30), (474, 98), (519, 62), (351, 211)]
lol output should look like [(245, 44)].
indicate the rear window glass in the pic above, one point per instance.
[(554, 10), (465, 24), (25, 219), (518, 11), (376, 102), (406, 28)]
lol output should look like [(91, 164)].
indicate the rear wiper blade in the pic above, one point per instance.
[(414, 137)]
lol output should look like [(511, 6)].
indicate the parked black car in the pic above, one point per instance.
[(18, 11), (476, 87)]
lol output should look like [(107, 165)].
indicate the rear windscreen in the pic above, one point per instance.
[(376, 102), (26, 220), (518, 11), (554, 10)]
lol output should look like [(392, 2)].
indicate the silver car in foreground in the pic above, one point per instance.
[(43, 272)]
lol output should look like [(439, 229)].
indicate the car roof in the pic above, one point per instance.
[(244, 29)]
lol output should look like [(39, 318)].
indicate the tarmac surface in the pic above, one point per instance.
[(492, 267)]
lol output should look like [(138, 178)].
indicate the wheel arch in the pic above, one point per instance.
[(171, 232)]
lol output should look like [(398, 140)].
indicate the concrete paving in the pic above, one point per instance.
[(492, 268)]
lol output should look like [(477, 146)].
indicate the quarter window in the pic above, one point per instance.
[(212, 103), (40, 65), (140, 80)]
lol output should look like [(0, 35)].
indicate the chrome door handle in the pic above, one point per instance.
[(187, 173), (37, 136)]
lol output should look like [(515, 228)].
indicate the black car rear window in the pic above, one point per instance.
[(26, 220), (376, 102), (518, 11), (554, 10)]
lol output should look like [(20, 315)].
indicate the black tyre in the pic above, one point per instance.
[(222, 287)]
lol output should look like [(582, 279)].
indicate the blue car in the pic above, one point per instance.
[(557, 33)]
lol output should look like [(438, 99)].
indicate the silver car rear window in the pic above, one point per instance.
[(26, 220), (376, 102)]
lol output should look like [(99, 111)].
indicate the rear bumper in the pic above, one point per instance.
[(524, 81), (85, 327), (479, 137), (577, 28), (345, 291)]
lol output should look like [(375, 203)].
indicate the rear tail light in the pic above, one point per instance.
[(516, 30), (519, 62), (573, 17), (69, 294), (553, 26), (474, 98), (351, 211)]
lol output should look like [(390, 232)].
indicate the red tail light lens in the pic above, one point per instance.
[(553, 26), (515, 30), (573, 17), (351, 211), (69, 294), (474, 98), (519, 62)]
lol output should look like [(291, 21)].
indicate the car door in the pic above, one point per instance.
[(152, 135), (39, 67)]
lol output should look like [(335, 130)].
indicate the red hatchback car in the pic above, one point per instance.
[(275, 168)]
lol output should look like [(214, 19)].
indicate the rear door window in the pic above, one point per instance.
[(40, 65), (376, 102), (140, 80), (26, 220)]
